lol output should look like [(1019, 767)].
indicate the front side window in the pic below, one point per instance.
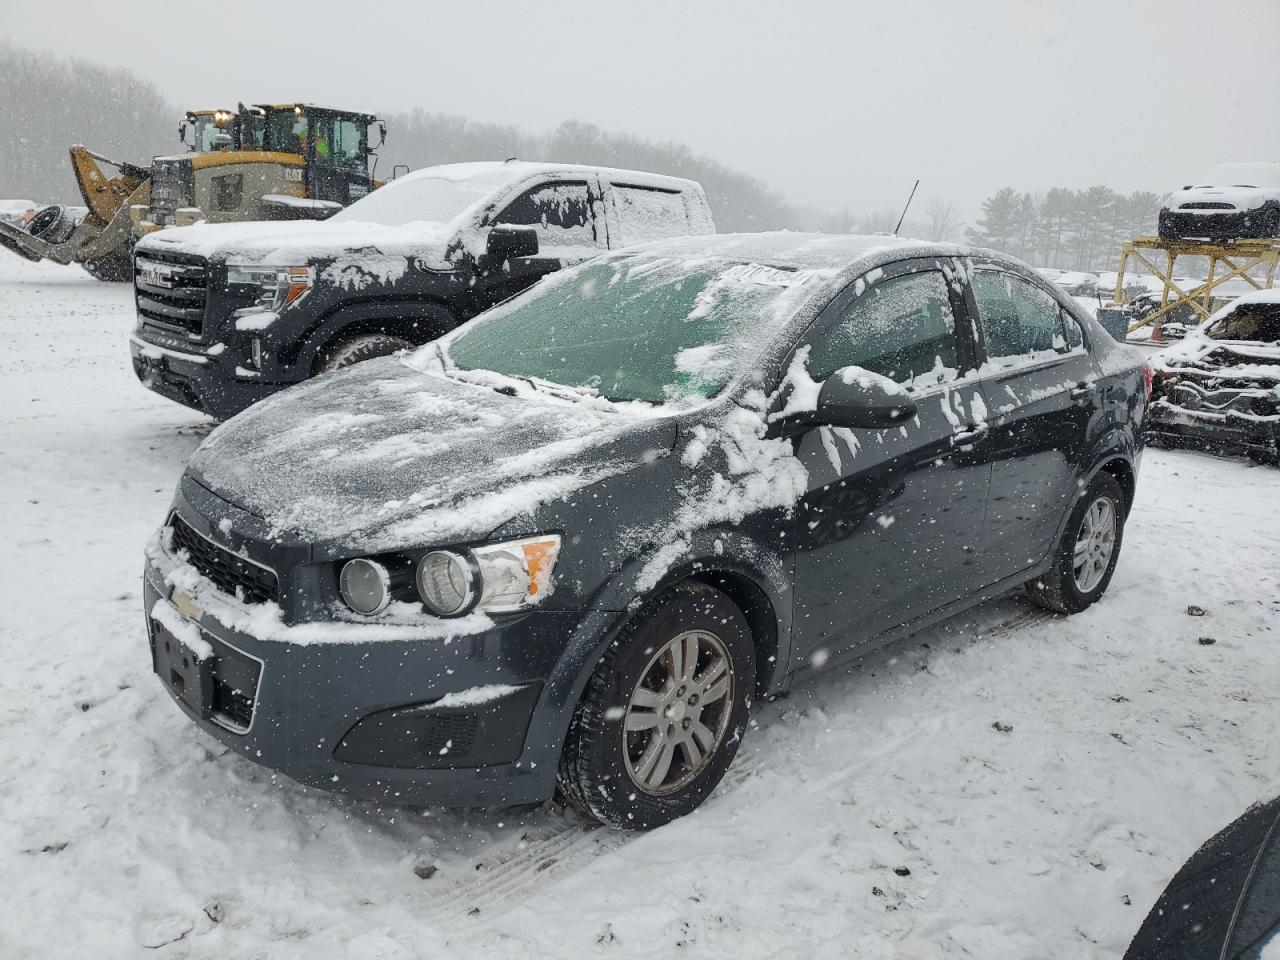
[(647, 328), (560, 213), (902, 328), (1021, 322)]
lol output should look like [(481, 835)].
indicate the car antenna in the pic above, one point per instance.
[(510, 159), (907, 207)]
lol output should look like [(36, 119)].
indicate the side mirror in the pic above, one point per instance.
[(182, 134), (510, 243), (382, 133), (853, 397)]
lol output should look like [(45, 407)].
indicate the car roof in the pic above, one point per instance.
[(815, 251), (498, 173)]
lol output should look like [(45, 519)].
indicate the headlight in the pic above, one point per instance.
[(365, 586), (279, 287), (447, 582), (491, 578)]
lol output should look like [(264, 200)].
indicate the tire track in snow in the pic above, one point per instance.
[(505, 884)]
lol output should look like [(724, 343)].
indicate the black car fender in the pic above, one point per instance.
[(760, 594), (416, 320)]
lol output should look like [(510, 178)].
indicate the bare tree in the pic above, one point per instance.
[(944, 220)]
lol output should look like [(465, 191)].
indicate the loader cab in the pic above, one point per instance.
[(338, 158), (207, 130)]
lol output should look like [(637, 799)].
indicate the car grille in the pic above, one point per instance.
[(230, 572), (1206, 205), (171, 290)]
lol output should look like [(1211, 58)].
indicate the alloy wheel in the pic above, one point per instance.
[(678, 712), (1095, 542)]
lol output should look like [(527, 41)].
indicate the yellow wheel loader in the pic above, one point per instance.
[(265, 162)]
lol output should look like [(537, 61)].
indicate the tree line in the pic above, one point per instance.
[(53, 103), (1064, 228)]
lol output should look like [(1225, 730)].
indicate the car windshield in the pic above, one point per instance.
[(1242, 175), (1260, 323), (647, 328), (414, 199)]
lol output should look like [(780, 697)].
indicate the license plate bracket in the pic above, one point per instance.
[(190, 678)]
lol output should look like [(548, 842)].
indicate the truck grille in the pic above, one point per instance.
[(171, 290), (229, 572)]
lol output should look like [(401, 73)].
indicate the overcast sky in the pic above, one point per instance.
[(833, 103)]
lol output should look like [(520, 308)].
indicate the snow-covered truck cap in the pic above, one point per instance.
[(421, 215), (427, 447)]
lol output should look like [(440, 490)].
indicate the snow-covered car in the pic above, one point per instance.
[(17, 212), (1078, 283), (570, 542), (231, 313), (1232, 201), (1220, 385)]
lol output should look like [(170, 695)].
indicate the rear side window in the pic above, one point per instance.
[(559, 212), (645, 213), (1021, 322), (902, 328)]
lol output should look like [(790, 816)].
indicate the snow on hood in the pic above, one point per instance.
[(384, 456), (1195, 348), (382, 249), (1242, 198)]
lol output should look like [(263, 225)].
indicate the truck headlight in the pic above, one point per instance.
[(277, 287), (365, 586)]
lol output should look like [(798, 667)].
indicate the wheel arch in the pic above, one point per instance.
[(418, 321)]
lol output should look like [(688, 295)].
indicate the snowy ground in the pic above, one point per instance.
[(126, 829)]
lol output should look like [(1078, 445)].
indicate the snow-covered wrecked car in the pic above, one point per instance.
[(1220, 386), (570, 542), (1231, 201), (231, 313)]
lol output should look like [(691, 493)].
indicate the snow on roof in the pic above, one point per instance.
[(499, 173), (816, 251)]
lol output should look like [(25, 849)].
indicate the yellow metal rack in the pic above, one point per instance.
[(1227, 260)]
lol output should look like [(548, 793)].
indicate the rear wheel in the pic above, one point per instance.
[(664, 711), (366, 346), (1087, 554)]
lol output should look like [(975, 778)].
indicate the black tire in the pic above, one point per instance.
[(596, 766), (1058, 590), (53, 224), (365, 346)]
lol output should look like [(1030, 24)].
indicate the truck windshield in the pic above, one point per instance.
[(414, 199), (647, 328)]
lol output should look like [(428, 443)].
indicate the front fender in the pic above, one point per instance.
[(420, 320)]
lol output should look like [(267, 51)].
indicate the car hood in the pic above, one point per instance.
[(302, 242), (1242, 198), (384, 456)]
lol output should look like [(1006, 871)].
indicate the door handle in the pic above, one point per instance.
[(975, 431), (1082, 391)]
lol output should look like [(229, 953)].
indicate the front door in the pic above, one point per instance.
[(1040, 384), (561, 214), (889, 528)]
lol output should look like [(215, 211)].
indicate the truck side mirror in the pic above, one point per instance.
[(511, 243)]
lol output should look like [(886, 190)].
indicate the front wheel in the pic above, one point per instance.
[(366, 346), (664, 711), (1086, 557)]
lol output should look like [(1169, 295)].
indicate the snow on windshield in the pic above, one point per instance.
[(651, 328), (416, 199)]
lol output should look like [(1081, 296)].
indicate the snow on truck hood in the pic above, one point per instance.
[(384, 456), (298, 242)]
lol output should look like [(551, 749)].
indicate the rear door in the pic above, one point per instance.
[(641, 212), (1041, 387), (562, 215), (889, 527)]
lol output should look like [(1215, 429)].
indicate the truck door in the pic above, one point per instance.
[(562, 215)]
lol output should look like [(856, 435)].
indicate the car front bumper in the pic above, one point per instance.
[(1257, 223), (476, 719), (1228, 430), (196, 380)]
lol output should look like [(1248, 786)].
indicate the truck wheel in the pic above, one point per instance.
[(663, 713), (1086, 557), (363, 347)]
